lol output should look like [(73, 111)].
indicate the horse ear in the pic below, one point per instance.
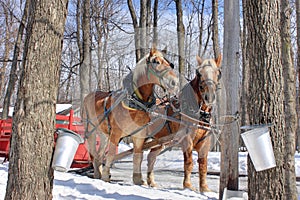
[(164, 51), (199, 60), (153, 49), (219, 60)]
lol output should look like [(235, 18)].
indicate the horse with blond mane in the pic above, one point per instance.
[(195, 104), (114, 115)]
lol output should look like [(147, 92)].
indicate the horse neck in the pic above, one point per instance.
[(195, 83), (145, 92)]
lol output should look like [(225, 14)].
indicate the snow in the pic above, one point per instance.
[(168, 175), (62, 107), (59, 108)]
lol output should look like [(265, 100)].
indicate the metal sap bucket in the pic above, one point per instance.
[(234, 195), (65, 149), (259, 146)]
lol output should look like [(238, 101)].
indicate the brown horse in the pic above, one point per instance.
[(114, 115), (195, 105)]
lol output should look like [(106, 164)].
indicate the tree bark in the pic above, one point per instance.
[(30, 174), (201, 27), (7, 47), (142, 28), (180, 37), (86, 51), (155, 21), (136, 30), (13, 71), (215, 31), (298, 69), (230, 135), (245, 81), (265, 103), (289, 101)]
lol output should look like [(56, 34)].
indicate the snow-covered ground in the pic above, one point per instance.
[(168, 174)]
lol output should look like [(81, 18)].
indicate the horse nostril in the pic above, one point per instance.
[(172, 83), (206, 97), (209, 98)]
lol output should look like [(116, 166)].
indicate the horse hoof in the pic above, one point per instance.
[(140, 182), (205, 189), (190, 187), (106, 178), (152, 184)]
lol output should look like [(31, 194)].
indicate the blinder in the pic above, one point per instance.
[(153, 64)]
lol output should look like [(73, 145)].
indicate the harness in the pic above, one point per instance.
[(130, 98)]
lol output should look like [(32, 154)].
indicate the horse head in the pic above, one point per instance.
[(155, 69), (208, 74)]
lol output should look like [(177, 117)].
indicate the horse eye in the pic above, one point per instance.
[(155, 62), (201, 87)]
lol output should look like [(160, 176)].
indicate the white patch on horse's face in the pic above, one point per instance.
[(209, 75)]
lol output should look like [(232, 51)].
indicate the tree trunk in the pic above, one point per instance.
[(136, 30), (13, 71), (289, 101), (230, 134), (180, 37), (216, 47), (155, 21), (30, 174), (86, 51), (201, 26), (298, 69), (7, 48), (143, 30), (245, 81), (265, 103), (215, 31)]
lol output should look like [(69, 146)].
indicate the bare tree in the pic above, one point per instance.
[(266, 99), (13, 71), (244, 115), (140, 29), (180, 37), (7, 44), (155, 21), (289, 101), (215, 28), (30, 174), (230, 66), (298, 68), (84, 45)]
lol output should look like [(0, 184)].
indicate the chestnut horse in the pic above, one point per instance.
[(195, 104), (114, 115)]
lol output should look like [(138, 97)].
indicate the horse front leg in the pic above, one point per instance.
[(203, 174), (188, 168), (137, 161), (187, 149), (96, 160), (202, 163), (151, 158), (109, 160)]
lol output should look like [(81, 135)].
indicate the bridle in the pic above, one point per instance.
[(207, 81), (152, 68), (137, 102)]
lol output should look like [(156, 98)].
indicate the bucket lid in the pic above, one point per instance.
[(68, 131)]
